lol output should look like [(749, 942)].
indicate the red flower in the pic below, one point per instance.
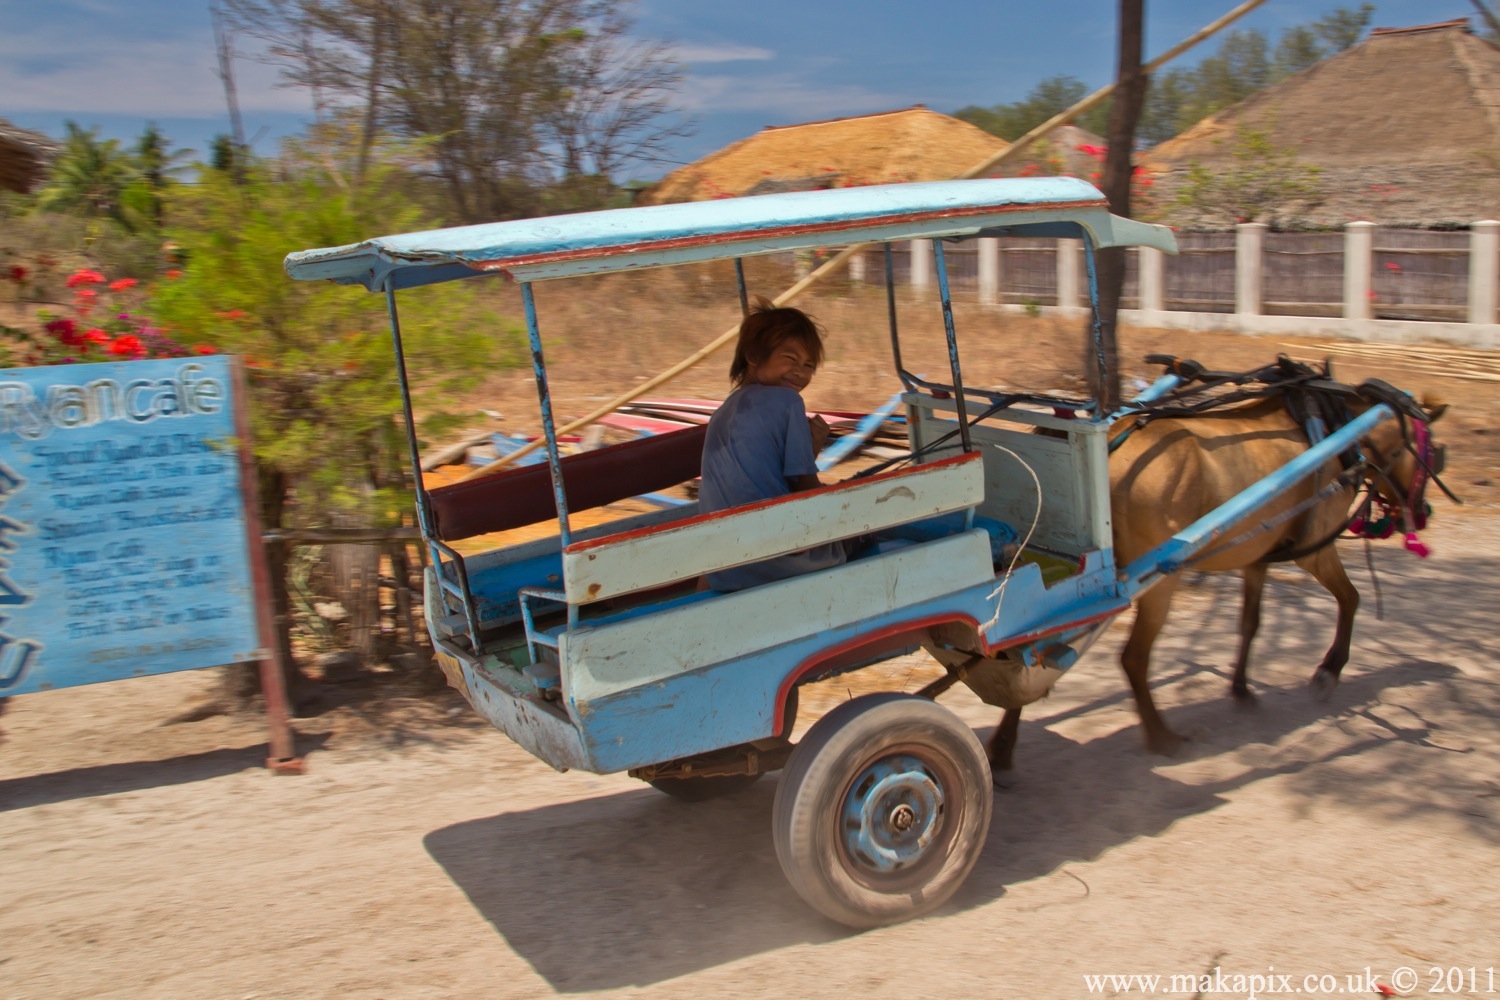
[(205, 349), (84, 276), (174, 273), (17, 273), (1391, 265), (66, 331), (122, 284), (96, 336), (128, 345)]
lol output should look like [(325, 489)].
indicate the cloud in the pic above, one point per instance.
[(721, 53), (65, 72), (786, 96)]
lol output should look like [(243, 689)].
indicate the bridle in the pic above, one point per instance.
[(1374, 518)]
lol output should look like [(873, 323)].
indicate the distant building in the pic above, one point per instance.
[(24, 156), (1404, 129), (914, 144)]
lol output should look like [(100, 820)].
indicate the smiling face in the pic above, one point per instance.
[(790, 365)]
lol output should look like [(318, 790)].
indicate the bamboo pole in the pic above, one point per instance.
[(828, 268)]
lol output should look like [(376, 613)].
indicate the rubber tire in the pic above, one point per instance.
[(703, 789), (817, 778)]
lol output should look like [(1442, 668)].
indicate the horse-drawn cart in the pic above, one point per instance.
[(595, 649)]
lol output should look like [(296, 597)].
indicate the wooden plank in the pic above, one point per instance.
[(625, 563), (651, 648)]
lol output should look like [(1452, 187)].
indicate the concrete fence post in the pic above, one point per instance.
[(921, 265), (1249, 268), (989, 271), (1484, 271), (1069, 253), (1151, 279), (857, 268), (1359, 258)]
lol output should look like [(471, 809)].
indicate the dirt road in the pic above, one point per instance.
[(423, 856)]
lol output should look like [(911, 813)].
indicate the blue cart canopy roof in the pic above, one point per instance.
[(630, 238)]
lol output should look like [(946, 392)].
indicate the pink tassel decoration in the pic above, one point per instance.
[(1415, 547)]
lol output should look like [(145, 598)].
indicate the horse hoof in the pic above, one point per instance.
[(1002, 781), (1323, 682)]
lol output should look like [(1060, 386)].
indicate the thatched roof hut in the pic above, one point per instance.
[(914, 144), (23, 157), (1404, 129)]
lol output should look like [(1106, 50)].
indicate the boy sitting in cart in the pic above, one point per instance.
[(761, 443)]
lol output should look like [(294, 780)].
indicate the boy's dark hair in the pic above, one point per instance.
[(765, 329)]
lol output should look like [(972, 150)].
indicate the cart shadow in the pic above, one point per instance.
[(633, 889)]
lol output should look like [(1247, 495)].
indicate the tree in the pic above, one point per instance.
[(1125, 112), (516, 95), (323, 399), (1048, 98), (1343, 27), (89, 178), (1261, 183), (1298, 49), (157, 167)]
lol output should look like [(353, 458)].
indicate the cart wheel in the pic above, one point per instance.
[(882, 810), (703, 789)]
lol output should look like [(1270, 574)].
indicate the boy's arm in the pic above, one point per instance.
[(818, 429)]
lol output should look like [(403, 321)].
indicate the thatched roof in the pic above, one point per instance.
[(1067, 150), (1404, 128), (23, 157), (914, 144)]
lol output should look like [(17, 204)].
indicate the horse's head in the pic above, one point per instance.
[(1402, 456)]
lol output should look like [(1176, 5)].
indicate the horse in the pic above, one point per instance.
[(1170, 471)]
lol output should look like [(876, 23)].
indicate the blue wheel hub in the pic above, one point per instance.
[(892, 814)]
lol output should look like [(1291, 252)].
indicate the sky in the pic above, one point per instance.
[(118, 65)]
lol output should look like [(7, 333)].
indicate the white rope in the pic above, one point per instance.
[(999, 592)]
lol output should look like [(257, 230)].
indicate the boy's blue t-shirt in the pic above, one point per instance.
[(757, 440)]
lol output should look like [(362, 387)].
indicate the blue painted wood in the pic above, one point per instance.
[(1169, 556), (863, 431), (650, 236)]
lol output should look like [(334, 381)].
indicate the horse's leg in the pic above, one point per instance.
[(1003, 744), (1328, 569), (1150, 614), (1255, 585)]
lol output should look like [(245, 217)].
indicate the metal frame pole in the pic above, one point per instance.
[(958, 381), (739, 277), (1096, 322), (423, 510), (549, 429)]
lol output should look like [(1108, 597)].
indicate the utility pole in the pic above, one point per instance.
[(1124, 113), (1488, 15)]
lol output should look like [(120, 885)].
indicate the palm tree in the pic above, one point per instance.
[(89, 177), (157, 166)]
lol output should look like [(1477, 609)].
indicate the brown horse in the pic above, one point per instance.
[(1172, 471)]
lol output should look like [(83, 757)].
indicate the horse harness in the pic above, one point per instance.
[(1320, 405)]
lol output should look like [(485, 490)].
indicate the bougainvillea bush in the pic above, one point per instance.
[(103, 321)]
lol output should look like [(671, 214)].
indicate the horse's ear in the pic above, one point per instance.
[(1434, 409)]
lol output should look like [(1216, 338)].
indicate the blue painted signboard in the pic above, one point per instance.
[(123, 546)]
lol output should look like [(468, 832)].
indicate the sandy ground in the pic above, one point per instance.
[(424, 855), (432, 858)]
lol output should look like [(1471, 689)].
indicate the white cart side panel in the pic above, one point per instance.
[(1072, 470), (611, 658), (625, 563)]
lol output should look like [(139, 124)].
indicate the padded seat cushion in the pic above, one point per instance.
[(522, 496)]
